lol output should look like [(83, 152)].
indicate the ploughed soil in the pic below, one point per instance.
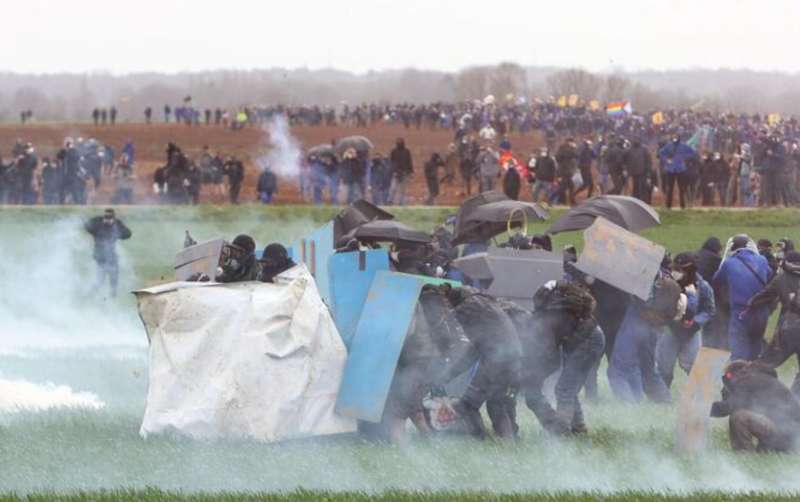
[(248, 144)]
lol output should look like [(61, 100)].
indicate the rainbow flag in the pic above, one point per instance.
[(618, 108)]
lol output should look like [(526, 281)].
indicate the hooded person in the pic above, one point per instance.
[(238, 261), (763, 413), (106, 230), (274, 261), (681, 343), (785, 288), (495, 347), (743, 273), (560, 334)]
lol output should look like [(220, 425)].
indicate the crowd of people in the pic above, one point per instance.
[(716, 296)]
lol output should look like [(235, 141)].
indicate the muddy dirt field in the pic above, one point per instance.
[(249, 144)]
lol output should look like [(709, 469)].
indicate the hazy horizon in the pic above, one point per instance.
[(174, 36)]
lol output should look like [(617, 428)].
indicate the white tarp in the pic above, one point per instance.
[(251, 359)]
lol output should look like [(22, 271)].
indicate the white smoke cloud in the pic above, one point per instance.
[(285, 156), (21, 395)]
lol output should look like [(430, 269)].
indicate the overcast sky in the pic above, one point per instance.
[(46, 36)]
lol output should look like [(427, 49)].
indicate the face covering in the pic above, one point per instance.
[(677, 275)]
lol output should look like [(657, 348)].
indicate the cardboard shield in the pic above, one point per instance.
[(201, 258), (621, 258), (703, 385), (512, 273)]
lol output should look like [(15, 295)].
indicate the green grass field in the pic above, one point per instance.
[(54, 331)]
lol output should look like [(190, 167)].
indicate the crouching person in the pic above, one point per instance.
[(434, 343), (562, 334), (496, 347), (763, 413)]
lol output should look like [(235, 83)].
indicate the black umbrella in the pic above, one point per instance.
[(358, 143), (487, 214), (386, 231), (323, 150), (356, 214), (627, 212)]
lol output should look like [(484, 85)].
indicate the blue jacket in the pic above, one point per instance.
[(675, 155), (702, 306), (741, 283)]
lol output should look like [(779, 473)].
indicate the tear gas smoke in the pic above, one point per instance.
[(284, 157), (62, 346)]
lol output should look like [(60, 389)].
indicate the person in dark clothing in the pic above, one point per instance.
[(193, 183), (612, 304), (96, 116), (238, 261), (234, 169), (112, 115), (26, 171), (274, 261), (167, 113), (512, 182), (106, 231), (380, 179), (674, 156), (566, 160), (561, 333), (495, 345), (52, 179), (545, 174), (764, 414), (148, 115), (639, 164), (709, 257), (267, 185), (706, 181), (402, 170), (784, 288), (74, 174), (432, 177), (585, 157), (765, 250), (614, 158)]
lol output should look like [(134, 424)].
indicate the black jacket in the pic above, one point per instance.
[(755, 387), (105, 238), (638, 161), (402, 165)]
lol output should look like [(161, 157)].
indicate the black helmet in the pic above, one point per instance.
[(245, 242)]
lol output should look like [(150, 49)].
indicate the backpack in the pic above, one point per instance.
[(662, 306)]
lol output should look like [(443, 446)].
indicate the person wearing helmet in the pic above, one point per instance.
[(238, 261), (274, 261), (681, 342), (764, 415)]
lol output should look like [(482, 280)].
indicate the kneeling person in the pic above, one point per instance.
[(760, 407)]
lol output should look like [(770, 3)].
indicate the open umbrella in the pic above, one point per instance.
[(487, 214), (323, 150), (627, 212), (356, 214), (386, 231), (358, 143)]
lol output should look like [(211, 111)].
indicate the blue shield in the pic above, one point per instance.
[(350, 276), (315, 249), (375, 348)]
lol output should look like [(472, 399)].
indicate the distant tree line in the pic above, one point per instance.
[(59, 97)]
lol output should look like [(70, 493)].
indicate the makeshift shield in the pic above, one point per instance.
[(375, 348), (350, 276), (314, 250), (705, 382), (514, 274), (201, 258), (621, 258)]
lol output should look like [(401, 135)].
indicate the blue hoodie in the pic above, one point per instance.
[(741, 283), (674, 156)]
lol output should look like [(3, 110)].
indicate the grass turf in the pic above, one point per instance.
[(96, 345)]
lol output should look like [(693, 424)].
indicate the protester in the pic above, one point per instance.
[(106, 230), (743, 274)]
